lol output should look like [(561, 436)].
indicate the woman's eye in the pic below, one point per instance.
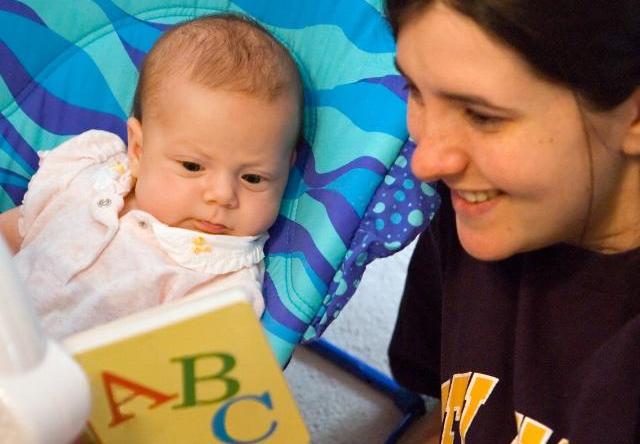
[(253, 179), (482, 119), (192, 166), (412, 91)]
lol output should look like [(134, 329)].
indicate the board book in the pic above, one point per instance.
[(198, 370)]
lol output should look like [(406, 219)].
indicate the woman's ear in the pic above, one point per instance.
[(631, 141), (134, 145)]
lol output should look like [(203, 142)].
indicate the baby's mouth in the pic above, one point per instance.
[(211, 228)]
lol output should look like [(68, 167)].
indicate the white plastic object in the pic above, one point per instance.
[(44, 394)]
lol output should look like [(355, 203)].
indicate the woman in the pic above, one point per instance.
[(521, 309)]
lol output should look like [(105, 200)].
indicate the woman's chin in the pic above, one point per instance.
[(487, 248)]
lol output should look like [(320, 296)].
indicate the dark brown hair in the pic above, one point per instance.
[(226, 51), (590, 46)]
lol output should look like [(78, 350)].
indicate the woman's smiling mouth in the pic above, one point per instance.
[(474, 203), (477, 196)]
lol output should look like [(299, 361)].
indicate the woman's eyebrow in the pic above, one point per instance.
[(474, 100), (469, 99)]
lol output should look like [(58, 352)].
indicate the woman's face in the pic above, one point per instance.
[(512, 147)]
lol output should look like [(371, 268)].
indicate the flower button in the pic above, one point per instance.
[(119, 168), (200, 245)]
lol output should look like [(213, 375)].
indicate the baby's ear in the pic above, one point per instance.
[(134, 144), (294, 156), (631, 142)]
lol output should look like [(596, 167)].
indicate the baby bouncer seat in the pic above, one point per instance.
[(71, 65)]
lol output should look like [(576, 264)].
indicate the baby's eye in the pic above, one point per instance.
[(253, 179), (192, 166)]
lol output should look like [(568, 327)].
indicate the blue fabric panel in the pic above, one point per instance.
[(350, 197)]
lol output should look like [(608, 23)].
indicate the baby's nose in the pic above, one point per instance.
[(221, 191)]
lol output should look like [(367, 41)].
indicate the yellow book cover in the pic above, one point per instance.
[(195, 371)]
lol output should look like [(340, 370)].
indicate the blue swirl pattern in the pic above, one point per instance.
[(350, 197)]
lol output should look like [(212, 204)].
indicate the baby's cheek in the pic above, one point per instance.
[(266, 213)]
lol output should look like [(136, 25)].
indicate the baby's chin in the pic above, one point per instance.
[(252, 230), (220, 229)]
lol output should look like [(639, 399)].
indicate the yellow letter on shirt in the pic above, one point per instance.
[(461, 401)]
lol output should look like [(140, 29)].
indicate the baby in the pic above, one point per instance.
[(107, 230)]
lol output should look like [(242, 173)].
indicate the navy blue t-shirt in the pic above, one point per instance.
[(544, 346)]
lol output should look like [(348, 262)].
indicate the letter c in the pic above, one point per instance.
[(219, 419)]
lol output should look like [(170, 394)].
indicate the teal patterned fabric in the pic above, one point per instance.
[(71, 65)]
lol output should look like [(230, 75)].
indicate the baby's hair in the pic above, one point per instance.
[(226, 51)]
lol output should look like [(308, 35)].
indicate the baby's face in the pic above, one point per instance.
[(212, 160)]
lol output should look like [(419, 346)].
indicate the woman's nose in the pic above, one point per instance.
[(221, 190), (440, 151), (434, 160)]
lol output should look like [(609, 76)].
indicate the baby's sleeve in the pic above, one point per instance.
[(60, 166)]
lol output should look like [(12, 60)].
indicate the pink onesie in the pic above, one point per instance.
[(83, 265)]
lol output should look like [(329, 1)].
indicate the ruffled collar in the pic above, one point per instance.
[(208, 253), (114, 176)]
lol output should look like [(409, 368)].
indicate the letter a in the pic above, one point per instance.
[(110, 380)]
